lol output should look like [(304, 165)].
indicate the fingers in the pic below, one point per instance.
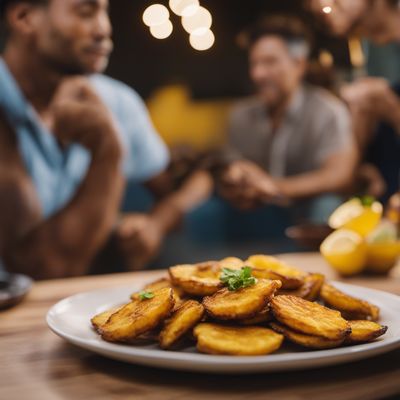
[(77, 88), (131, 226)]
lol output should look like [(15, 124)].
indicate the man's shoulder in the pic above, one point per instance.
[(246, 107), (114, 92)]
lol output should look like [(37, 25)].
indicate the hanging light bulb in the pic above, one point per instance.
[(327, 10), (198, 23), (184, 8), (202, 42), (156, 14), (162, 31)]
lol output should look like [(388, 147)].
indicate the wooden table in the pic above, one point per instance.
[(36, 364)]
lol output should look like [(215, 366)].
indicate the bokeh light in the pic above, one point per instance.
[(162, 31), (326, 58), (198, 23), (156, 14), (327, 10), (184, 8), (202, 42)]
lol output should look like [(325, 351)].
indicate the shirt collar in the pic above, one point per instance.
[(296, 104), (12, 100), (293, 110)]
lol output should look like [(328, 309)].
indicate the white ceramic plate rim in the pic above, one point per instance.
[(221, 364)]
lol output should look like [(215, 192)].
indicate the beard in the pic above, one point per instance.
[(63, 55)]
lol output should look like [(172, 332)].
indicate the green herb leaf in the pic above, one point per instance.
[(367, 201), (144, 295), (235, 279)]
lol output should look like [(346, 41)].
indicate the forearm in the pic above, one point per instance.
[(330, 179), (64, 244), (169, 211)]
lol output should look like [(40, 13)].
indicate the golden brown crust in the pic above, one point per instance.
[(365, 331), (350, 307), (182, 320), (138, 317), (309, 341), (309, 290), (261, 317), (100, 319), (161, 284), (309, 318), (238, 341), (267, 267), (242, 303), (197, 280)]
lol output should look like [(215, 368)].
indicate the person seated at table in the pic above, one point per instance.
[(291, 141), (373, 102), (377, 20), (375, 109), (69, 139)]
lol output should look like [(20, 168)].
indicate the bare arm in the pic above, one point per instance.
[(371, 100), (141, 235), (64, 244), (170, 208), (335, 175)]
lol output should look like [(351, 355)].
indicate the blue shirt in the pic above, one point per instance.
[(57, 172)]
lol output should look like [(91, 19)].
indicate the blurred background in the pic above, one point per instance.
[(190, 93), (205, 83)]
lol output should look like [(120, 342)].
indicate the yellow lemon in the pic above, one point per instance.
[(357, 217), (383, 248), (346, 251), (382, 257)]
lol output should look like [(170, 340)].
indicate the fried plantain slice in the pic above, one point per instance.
[(365, 331), (242, 303), (309, 318), (100, 319), (238, 341), (138, 317), (312, 342), (310, 288), (182, 320), (264, 315), (161, 284), (231, 263), (197, 280), (267, 267), (349, 306)]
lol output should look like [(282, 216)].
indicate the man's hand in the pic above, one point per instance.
[(247, 186), (79, 116), (371, 180), (139, 238)]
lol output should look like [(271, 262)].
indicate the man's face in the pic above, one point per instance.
[(340, 16), (274, 72), (73, 36)]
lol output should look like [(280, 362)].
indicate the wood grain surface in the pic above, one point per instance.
[(36, 364)]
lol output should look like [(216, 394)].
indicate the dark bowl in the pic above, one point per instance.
[(309, 236), (13, 289)]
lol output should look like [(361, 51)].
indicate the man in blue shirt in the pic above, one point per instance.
[(66, 134)]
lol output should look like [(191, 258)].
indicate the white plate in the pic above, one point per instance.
[(70, 319)]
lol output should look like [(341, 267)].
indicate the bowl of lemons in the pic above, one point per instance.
[(362, 240)]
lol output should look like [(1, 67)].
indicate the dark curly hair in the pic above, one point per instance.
[(290, 28), (6, 3)]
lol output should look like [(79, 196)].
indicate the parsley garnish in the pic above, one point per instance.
[(237, 279), (144, 295), (366, 201)]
